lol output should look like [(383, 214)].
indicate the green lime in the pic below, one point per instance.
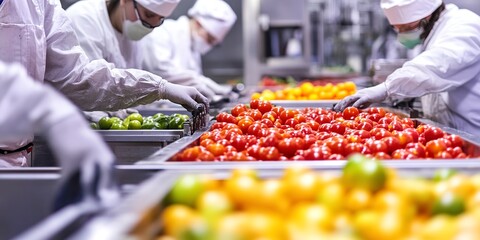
[(157, 116), (94, 125), (449, 204), (135, 116), (186, 190), (104, 123), (134, 124), (161, 125), (176, 123), (184, 117), (148, 124), (118, 126), (126, 122), (360, 172), (443, 174), (114, 120)]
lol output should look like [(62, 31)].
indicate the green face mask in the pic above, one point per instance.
[(410, 39)]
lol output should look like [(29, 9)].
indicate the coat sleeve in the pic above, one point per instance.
[(91, 85), (444, 66), (29, 105)]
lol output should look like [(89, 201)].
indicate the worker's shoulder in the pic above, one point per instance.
[(85, 9)]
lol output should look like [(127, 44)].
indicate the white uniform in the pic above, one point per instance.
[(99, 39), (169, 53), (451, 64), (38, 35)]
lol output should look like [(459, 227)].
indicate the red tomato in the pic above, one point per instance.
[(433, 133), (264, 106), (417, 149), (300, 118), (374, 117), (350, 113), (255, 128), (254, 151), (408, 122), (216, 149), (218, 125), (291, 122), (244, 124), (254, 103), (395, 125), (385, 120), (455, 151), (272, 116), (380, 133), (278, 110), (287, 114), (376, 146), (317, 153), (238, 109), (446, 141), (205, 156), (382, 156), (404, 138), (413, 133), (434, 147), (402, 154), (455, 140), (336, 156), (206, 142), (443, 155), (353, 148), (230, 126), (375, 110), (364, 125), (392, 144), (269, 153), (289, 146), (230, 148), (321, 119), (239, 142), (337, 145), (338, 128)]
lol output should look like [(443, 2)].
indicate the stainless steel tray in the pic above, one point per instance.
[(137, 217), (162, 159)]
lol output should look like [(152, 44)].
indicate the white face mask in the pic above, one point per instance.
[(200, 44), (410, 39), (134, 30)]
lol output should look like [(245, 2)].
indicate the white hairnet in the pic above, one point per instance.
[(408, 11), (216, 16), (160, 7)]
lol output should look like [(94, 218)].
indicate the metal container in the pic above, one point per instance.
[(138, 216), (127, 145), (163, 159)]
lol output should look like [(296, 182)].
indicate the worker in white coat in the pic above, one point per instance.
[(104, 29), (32, 106), (446, 73), (38, 35), (174, 51)]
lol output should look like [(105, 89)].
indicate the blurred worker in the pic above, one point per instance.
[(448, 69), (32, 106), (38, 35), (174, 51), (105, 29)]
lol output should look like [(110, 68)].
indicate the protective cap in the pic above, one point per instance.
[(216, 16), (408, 11), (160, 7)]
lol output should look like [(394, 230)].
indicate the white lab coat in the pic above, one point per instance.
[(450, 63), (99, 39), (39, 35), (169, 53)]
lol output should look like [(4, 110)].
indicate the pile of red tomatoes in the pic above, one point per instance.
[(271, 133)]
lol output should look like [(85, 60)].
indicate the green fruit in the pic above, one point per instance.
[(134, 124), (135, 116), (368, 174), (157, 116), (148, 124), (163, 118), (161, 125), (176, 123), (443, 174), (186, 190), (126, 122), (118, 126), (449, 204), (104, 123), (184, 117), (94, 125)]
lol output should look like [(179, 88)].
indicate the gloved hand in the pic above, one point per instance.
[(122, 114), (86, 161), (205, 91), (364, 97), (188, 97)]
